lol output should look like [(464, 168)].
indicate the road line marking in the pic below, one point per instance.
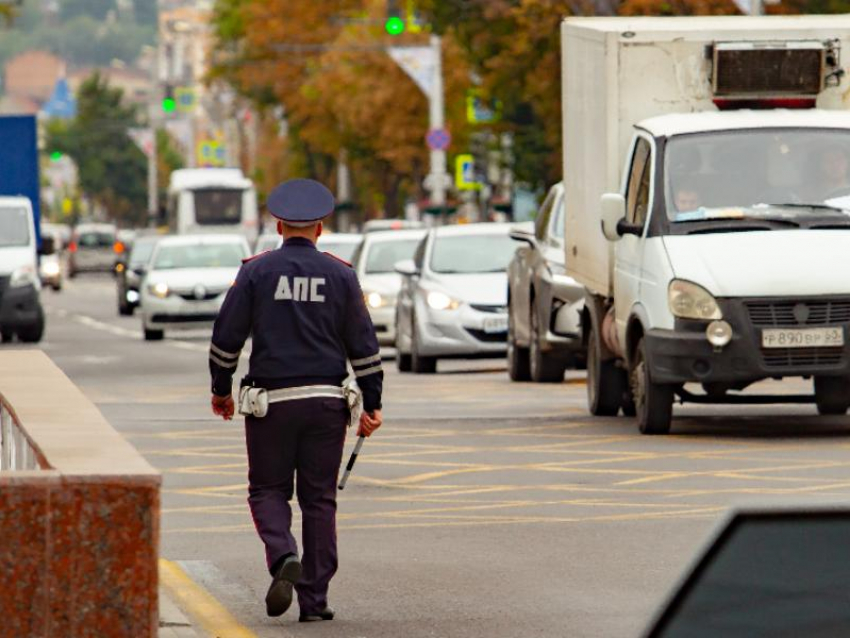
[(200, 604)]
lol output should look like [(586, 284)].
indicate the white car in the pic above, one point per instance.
[(187, 281), (454, 296), (343, 245), (374, 261)]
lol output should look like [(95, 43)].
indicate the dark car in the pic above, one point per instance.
[(544, 303), (130, 273)]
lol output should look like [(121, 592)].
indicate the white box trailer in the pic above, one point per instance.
[(619, 71)]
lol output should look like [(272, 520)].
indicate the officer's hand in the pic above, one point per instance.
[(369, 423), (223, 406)]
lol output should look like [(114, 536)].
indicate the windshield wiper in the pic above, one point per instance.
[(837, 209)]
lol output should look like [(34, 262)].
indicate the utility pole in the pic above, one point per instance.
[(436, 102), (153, 117)]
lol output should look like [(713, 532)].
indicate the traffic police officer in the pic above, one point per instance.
[(307, 316)]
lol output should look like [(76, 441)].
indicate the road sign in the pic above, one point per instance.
[(481, 111), (438, 139), (211, 154), (185, 99), (465, 173)]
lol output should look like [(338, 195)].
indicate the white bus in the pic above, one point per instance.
[(216, 200)]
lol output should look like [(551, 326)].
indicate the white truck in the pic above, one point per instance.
[(707, 179)]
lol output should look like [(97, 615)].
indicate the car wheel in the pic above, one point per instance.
[(542, 367), (517, 356), (402, 359), (57, 287), (6, 336), (154, 335), (125, 309), (71, 273), (653, 401), (832, 395), (418, 363), (605, 382), (33, 333)]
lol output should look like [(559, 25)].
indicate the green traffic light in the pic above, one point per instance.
[(55, 156), (168, 105), (395, 26)]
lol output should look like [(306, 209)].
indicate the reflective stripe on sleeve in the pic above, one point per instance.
[(368, 371), (367, 360), (229, 365), (221, 353)]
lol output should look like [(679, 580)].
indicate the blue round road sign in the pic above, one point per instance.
[(438, 139)]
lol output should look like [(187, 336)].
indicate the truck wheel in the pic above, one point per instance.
[(418, 363), (6, 336), (653, 401), (154, 335), (605, 383), (543, 368), (518, 368), (832, 395)]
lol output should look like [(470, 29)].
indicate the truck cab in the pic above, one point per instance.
[(21, 312), (722, 259)]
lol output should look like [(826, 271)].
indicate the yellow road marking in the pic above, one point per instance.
[(200, 604)]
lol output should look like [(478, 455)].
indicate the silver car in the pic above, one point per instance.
[(453, 299), (92, 249), (544, 303)]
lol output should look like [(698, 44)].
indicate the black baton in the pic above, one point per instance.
[(351, 461)]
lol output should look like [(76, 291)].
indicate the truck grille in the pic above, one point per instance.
[(802, 357), (780, 314)]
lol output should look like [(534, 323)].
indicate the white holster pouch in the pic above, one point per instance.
[(253, 401), (354, 398)]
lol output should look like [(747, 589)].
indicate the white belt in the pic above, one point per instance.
[(306, 392)]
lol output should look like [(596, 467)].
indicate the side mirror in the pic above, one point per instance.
[(407, 268), (520, 234), (613, 212)]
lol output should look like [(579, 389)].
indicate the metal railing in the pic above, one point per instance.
[(16, 452)]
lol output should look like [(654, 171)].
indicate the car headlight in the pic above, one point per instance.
[(50, 269), (690, 301), (159, 289), (24, 276), (375, 300), (441, 301)]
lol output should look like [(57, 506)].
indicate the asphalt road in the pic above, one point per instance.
[(482, 508)]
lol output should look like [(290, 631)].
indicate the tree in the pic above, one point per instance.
[(112, 169)]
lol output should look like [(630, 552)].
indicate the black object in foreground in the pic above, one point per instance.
[(777, 573), (351, 462)]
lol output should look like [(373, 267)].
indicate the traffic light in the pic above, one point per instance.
[(55, 156), (168, 101), (395, 24)]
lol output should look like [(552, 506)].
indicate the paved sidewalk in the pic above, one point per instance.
[(173, 623)]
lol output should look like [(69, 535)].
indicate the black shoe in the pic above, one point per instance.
[(279, 597), (325, 614)]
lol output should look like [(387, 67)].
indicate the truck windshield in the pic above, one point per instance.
[(14, 227), (742, 174), (218, 206)]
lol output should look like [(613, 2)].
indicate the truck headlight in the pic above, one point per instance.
[(441, 301), (689, 301), (159, 289), (23, 276)]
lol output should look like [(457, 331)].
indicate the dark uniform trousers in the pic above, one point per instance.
[(298, 444)]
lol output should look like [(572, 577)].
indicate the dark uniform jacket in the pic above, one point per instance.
[(306, 314)]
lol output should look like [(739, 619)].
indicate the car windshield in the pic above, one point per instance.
[(141, 253), (342, 249), (14, 227), (467, 254), (199, 256), (96, 239), (757, 173), (218, 206), (384, 255)]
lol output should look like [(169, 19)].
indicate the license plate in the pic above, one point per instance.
[(495, 324), (802, 338)]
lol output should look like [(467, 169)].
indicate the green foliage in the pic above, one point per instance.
[(112, 169)]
